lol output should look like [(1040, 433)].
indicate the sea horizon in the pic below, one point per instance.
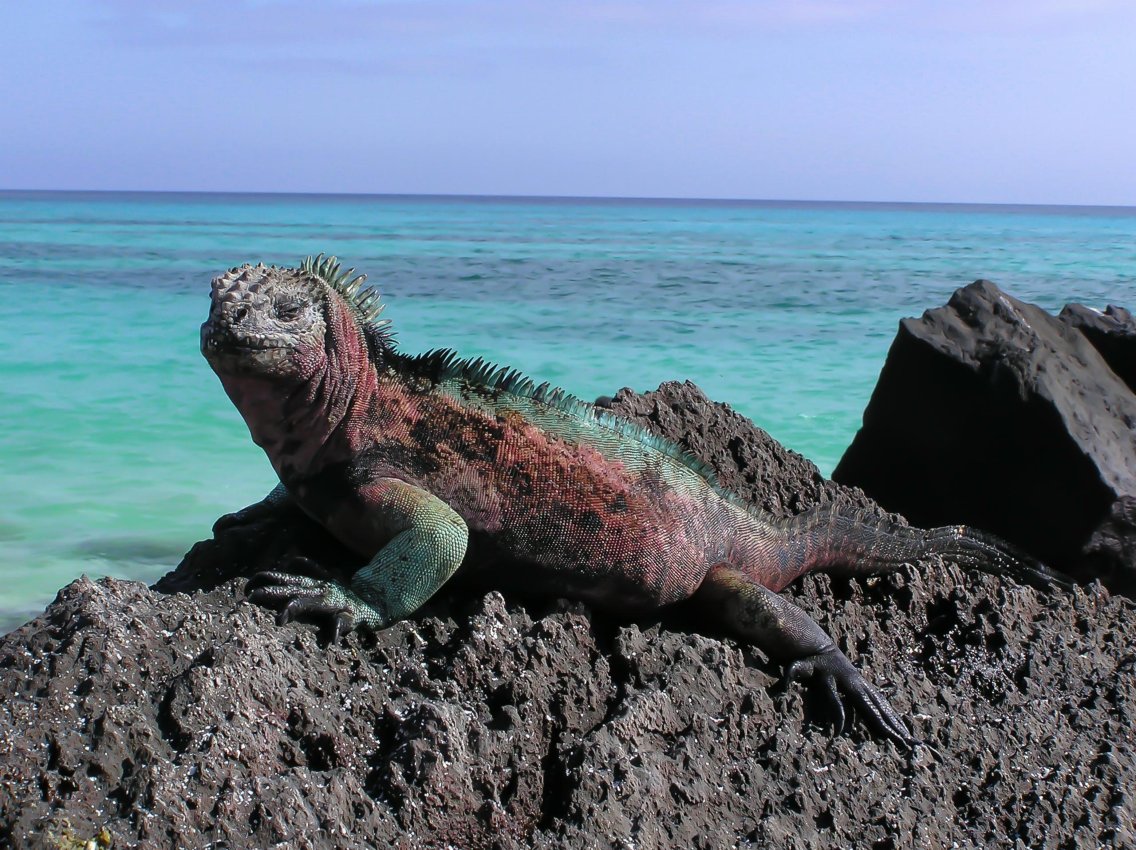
[(662, 200)]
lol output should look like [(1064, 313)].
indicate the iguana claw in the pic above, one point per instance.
[(341, 624), (837, 674)]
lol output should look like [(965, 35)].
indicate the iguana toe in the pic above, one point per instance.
[(303, 607), (280, 584), (295, 597), (253, 513)]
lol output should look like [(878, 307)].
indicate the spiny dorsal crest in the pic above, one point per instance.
[(491, 378), (366, 300)]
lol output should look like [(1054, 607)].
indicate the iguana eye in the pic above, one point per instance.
[(289, 308)]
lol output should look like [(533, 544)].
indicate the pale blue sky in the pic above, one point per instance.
[(1027, 101)]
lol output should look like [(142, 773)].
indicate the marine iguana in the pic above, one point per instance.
[(414, 462)]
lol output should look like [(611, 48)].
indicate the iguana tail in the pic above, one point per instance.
[(855, 542)]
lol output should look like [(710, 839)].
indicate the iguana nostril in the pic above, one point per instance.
[(239, 313)]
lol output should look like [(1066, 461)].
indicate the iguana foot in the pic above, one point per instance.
[(245, 516), (255, 512), (298, 596), (786, 632), (837, 674)]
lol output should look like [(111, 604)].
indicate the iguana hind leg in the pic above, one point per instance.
[(785, 632), (427, 541)]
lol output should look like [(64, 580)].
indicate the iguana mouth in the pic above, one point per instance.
[(239, 354), (213, 340)]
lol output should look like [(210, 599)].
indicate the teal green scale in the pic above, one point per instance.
[(415, 563)]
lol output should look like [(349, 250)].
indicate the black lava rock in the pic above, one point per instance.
[(993, 413), (1112, 332)]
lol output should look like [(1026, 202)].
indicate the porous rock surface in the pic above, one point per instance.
[(991, 412), (192, 720)]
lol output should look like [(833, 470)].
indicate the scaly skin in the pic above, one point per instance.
[(415, 461)]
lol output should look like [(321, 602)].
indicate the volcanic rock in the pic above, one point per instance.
[(136, 718), (993, 413), (1112, 332)]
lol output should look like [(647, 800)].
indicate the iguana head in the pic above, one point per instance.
[(292, 346), (281, 323)]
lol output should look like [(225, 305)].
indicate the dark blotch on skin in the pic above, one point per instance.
[(520, 479), (591, 522), (450, 426)]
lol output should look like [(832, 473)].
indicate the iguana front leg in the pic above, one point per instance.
[(787, 633), (427, 541)]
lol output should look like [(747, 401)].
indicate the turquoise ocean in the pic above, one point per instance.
[(119, 449)]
